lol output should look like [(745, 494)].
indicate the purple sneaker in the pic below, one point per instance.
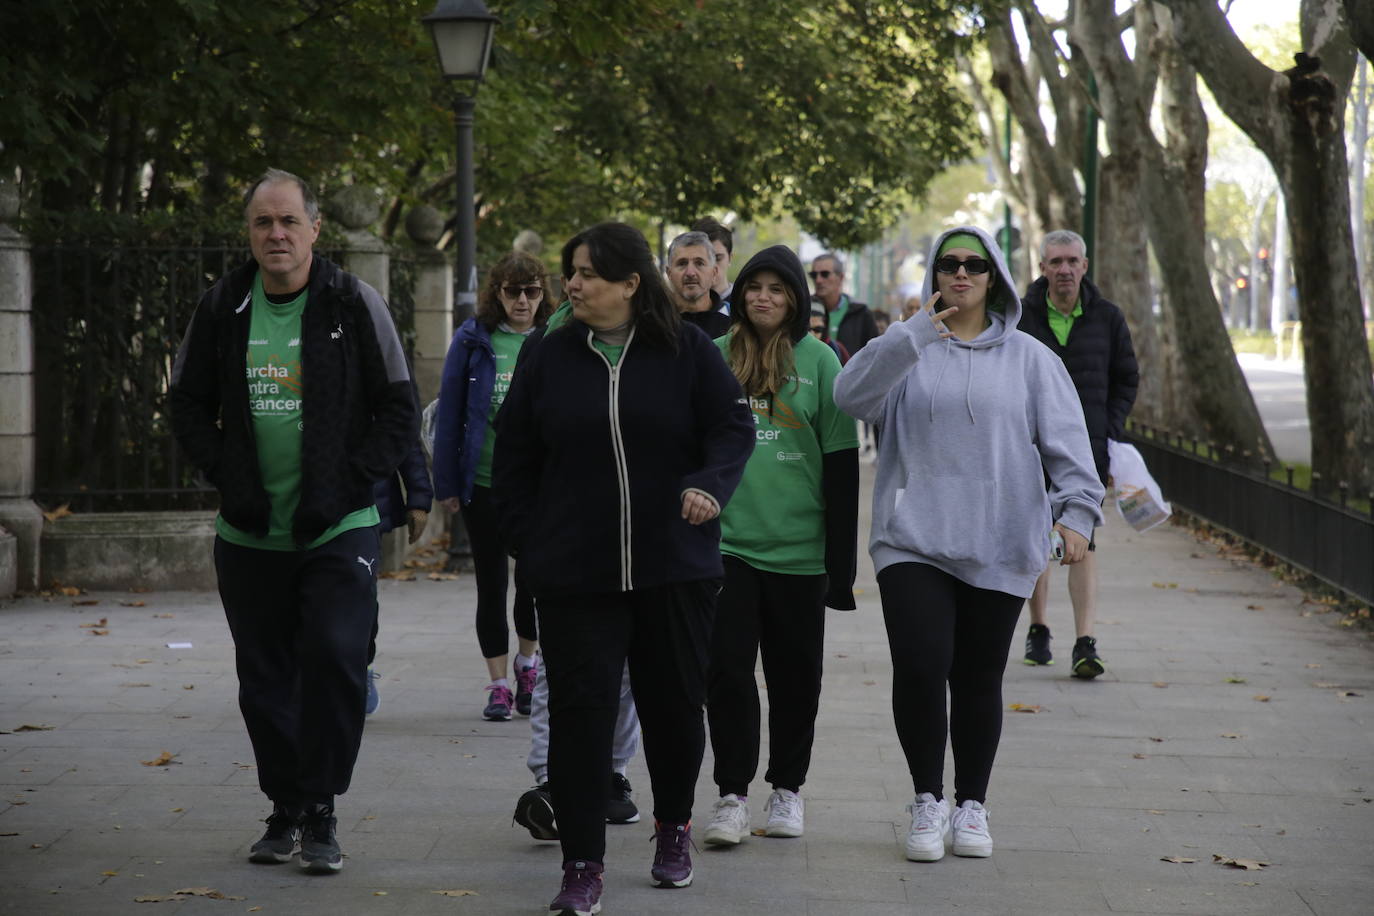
[(524, 687), (672, 858), (498, 708), (581, 891)]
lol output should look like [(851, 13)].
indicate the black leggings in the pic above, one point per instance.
[(492, 569), (942, 631), (784, 617)]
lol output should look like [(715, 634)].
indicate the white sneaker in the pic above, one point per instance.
[(786, 814), (729, 822), (970, 829), (925, 842)]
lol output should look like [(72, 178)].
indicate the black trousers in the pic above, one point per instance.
[(492, 570), (665, 633), (784, 617), (301, 623), (943, 632)]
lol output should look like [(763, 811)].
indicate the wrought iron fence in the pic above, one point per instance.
[(107, 323), (1317, 532)]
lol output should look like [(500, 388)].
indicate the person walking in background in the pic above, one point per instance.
[(821, 332), (723, 242), (403, 499), (974, 414), (690, 273), (851, 323), (477, 374), (1090, 335), (788, 540), (623, 435), (290, 393)]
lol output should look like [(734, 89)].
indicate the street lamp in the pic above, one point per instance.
[(462, 31)]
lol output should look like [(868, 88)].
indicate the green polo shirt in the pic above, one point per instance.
[(1062, 324)]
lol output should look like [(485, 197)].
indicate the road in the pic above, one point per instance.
[(1281, 398)]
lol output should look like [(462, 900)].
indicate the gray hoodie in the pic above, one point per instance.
[(967, 427)]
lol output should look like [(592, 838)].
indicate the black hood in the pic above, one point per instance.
[(784, 262)]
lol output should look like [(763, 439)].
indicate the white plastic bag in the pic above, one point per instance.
[(428, 421), (1138, 497)]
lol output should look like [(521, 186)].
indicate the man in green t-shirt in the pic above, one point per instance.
[(291, 394)]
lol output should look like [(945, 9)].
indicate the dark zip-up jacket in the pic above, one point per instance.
[(460, 430), (359, 415), (857, 327), (1099, 357), (592, 460), (715, 321)]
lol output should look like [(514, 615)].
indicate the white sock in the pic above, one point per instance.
[(501, 682), (522, 661)]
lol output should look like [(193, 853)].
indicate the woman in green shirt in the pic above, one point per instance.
[(788, 540), (477, 374)]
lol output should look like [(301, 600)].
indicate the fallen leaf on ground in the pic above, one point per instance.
[(188, 686), (1348, 693), (401, 576), (86, 602), (1247, 864), (1313, 665), (1233, 679), (1161, 683), (1325, 684), (1024, 707), (1165, 584), (441, 577), (1141, 756), (110, 873), (1177, 860), (61, 511), (1154, 811), (870, 683), (205, 892), (135, 685), (461, 892), (1254, 607), (35, 728), (10, 833), (164, 616), (379, 893), (758, 831), (160, 761), (104, 621), (70, 591), (1229, 735), (154, 898), (1157, 740), (1261, 698), (254, 909), (133, 604), (178, 810)]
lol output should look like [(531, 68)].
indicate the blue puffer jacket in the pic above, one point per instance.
[(461, 421)]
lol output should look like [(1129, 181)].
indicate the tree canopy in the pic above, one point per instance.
[(834, 112)]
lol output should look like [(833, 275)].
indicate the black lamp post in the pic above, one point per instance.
[(462, 31)]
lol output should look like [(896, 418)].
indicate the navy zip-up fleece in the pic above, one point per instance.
[(592, 460)]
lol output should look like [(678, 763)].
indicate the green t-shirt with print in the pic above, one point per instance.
[(776, 519), (274, 400), (505, 347)]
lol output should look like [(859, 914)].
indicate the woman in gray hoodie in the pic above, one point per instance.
[(974, 415)]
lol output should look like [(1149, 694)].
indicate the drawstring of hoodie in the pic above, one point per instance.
[(968, 386)]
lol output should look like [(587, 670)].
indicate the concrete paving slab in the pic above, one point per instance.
[(1083, 802)]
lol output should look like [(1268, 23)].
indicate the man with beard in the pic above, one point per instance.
[(691, 273)]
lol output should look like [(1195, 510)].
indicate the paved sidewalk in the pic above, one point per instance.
[(1175, 752)]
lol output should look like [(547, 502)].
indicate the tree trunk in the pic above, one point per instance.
[(1358, 141), (1296, 118), (1121, 269)]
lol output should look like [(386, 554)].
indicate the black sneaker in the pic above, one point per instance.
[(1038, 645), (1086, 662), (320, 852), (282, 839), (620, 807), (534, 812)]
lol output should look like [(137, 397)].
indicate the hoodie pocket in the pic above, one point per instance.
[(945, 518)]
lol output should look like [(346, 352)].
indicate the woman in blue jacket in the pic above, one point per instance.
[(623, 436), (477, 374)]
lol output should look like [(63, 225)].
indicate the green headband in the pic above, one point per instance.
[(963, 240)]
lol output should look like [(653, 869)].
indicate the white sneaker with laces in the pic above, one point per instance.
[(729, 822), (786, 814), (970, 829), (925, 841)]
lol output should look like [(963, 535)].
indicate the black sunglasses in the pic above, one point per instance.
[(817, 329), (949, 264), (531, 292), (823, 274)]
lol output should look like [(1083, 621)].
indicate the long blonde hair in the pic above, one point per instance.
[(762, 366)]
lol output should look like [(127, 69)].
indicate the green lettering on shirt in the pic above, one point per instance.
[(776, 519), (274, 378), (505, 347)]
